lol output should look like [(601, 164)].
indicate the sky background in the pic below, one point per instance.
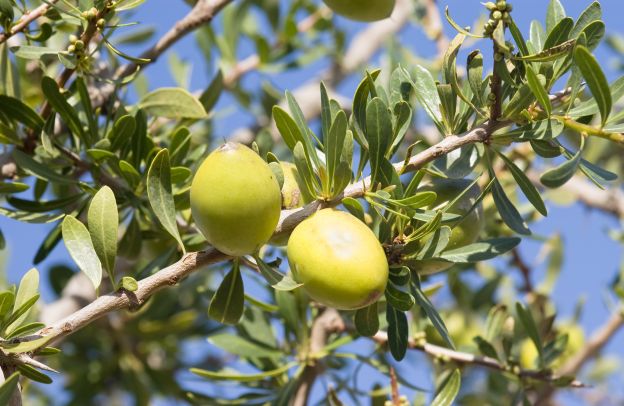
[(591, 257)]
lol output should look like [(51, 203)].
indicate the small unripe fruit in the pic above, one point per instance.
[(235, 200), (497, 15), (490, 6), (468, 229), (101, 23), (362, 10), (501, 5), (79, 45), (73, 38), (509, 8), (71, 49), (338, 259)]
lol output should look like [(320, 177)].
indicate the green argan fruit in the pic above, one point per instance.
[(235, 200), (469, 228), (362, 10), (338, 259)]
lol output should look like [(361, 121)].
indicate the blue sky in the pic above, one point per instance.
[(591, 258)]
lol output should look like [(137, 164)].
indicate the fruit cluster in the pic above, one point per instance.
[(236, 202)]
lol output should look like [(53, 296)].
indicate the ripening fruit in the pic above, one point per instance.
[(576, 341), (464, 233), (235, 200), (338, 259), (362, 10), (292, 196)]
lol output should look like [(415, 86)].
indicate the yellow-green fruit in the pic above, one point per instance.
[(292, 196), (576, 341), (362, 10), (235, 200), (464, 233), (338, 259)]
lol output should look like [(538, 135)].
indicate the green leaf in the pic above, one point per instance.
[(38, 169), (160, 195), (31, 373), (228, 302), (304, 130), (130, 58), (538, 90), (560, 34), (526, 318), (24, 346), (354, 207), (7, 299), (58, 102), (304, 170), (236, 376), (122, 132), (8, 387), (545, 149), (508, 212), (80, 247), (237, 345), (32, 52), (276, 279), (541, 130), (366, 320), (527, 187), (397, 332), (399, 299), (590, 106), (427, 94), (17, 110), (13, 187), (103, 221), (555, 177), (481, 251), (28, 288), (519, 101), (287, 127), (378, 134), (474, 65), (172, 102), (449, 390), (423, 301), (42, 206), (360, 99), (129, 283), (554, 14), (550, 54), (592, 13), (127, 4), (334, 143), (596, 80)]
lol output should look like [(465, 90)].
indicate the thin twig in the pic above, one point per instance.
[(25, 20)]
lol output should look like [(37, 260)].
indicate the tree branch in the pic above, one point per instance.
[(25, 20)]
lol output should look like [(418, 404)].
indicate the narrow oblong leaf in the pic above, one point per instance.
[(27, 289), (78, 242), (397, 332), (431, 312), (160, 194), (228, 302), (378, 134), (240, 377), (38, 169), (596, 81), (276, 279), (103, 221), (526, 318), (58, 102), (538, 90), (449, 390), (555, 177), (366, 320), (507, 210), (17, 110), (481, 251), (8, 387), (172, 102), (527, 187)]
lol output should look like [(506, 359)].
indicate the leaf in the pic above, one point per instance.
[(129, 283), (8, 387), (596, 80), (555, 177), (239, 377), (526, 318), (545, 149), (304, 130), (592, 13), (38, 169), (237, 345), (554, 14), (481, 251), (17, 110), (122, 132), (276, 279), (538, 90), (590, 106), (560, 33), (360, 100), (160, 195), (28, 288), (24, 346), (12, 187), (58, 102), (172, 102), (80, 247), (527, 187), (433, 315), (32, 52), (334, 143), (519, 101), (449, 390), (228, 302), (378, 134), (31, 373), (541, 130), (103, 221), (507, 211), (399, 299), (366, 320), (130, 58), (354, 207), (397, 332), (427, 94)]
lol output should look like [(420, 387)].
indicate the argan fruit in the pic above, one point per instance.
[(362, 10), (468, 229), (235, 200), (338, 259)]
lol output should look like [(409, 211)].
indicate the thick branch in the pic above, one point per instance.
[(25, 20)]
